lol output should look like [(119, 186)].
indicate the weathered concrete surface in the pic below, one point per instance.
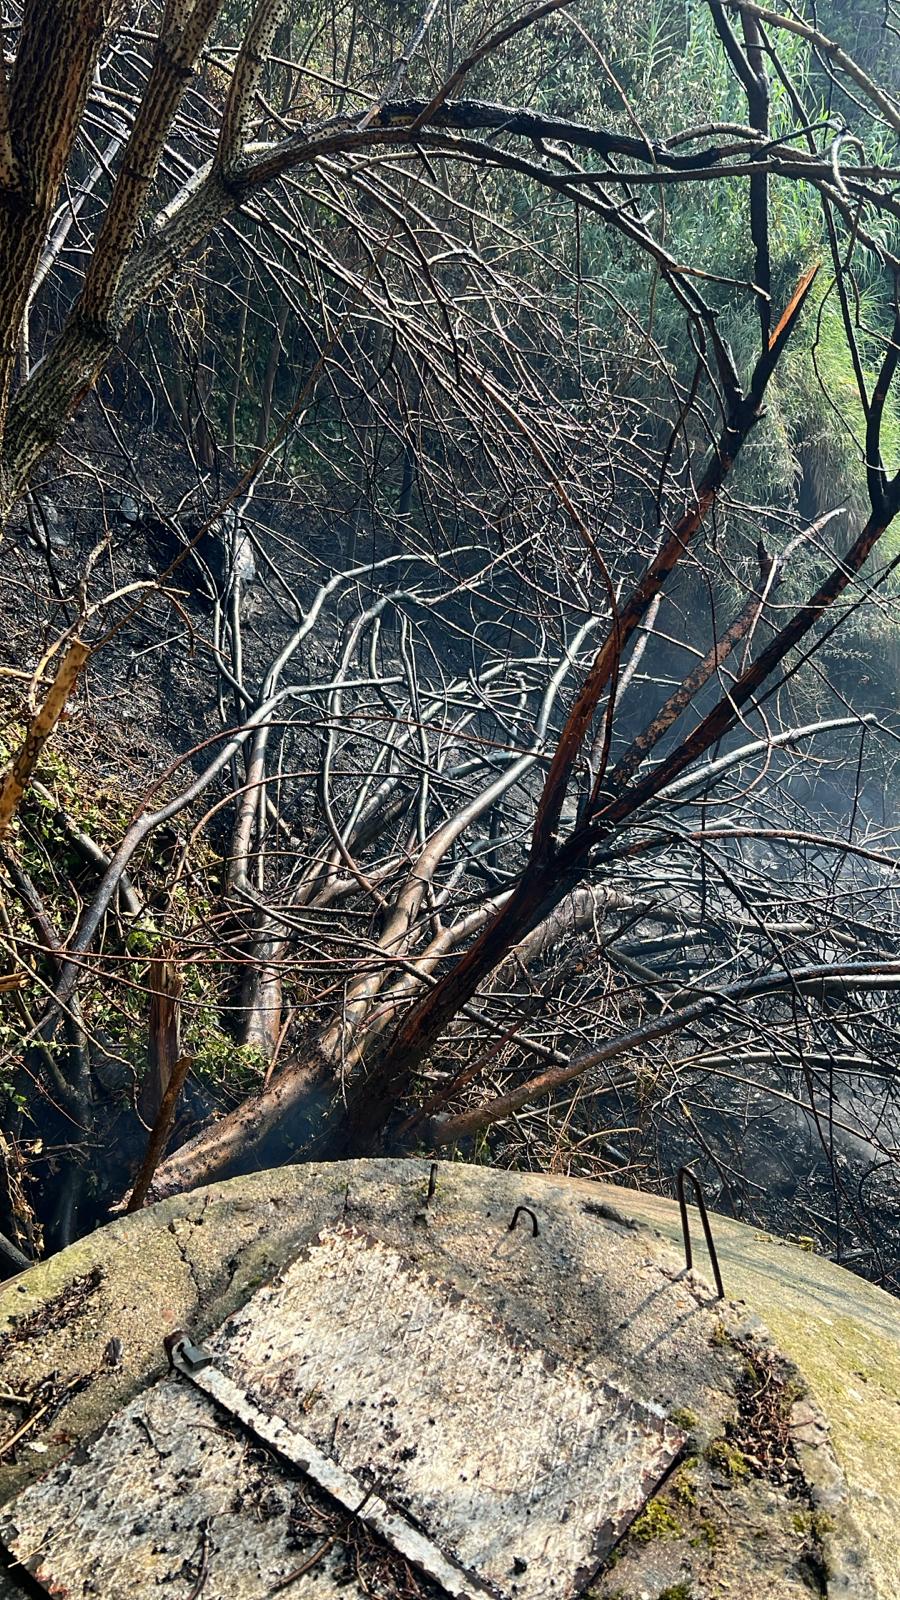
[(592, 1288), (844, 1335), (516, 1473)]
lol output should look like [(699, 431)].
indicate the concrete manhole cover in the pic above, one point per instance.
[(425, 1416)]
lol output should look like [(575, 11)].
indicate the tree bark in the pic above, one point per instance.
[(164, 1035), (41, 108)]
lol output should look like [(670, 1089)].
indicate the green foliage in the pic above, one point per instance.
[(820, 408), (116, 1013), (142, 941), (671, 70), (236, 1068)]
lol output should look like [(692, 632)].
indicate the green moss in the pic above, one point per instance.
[(813, 1528), (750, 1372), (676, 1591), (812, 1525), (656, 1521), (683, 1486), (844, 1335), (684, 1417), (707, 1535), (794, 1389), (727, 1459)]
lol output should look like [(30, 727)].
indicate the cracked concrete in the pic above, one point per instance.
[(194, 1259)]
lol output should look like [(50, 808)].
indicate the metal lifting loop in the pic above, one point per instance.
[(525, 1211), (688, 1172)]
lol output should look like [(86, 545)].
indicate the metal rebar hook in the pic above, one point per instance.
[(688, 1172), (421, 1215), (525, 1211)]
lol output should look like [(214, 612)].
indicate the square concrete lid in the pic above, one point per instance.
[(522, 1469)]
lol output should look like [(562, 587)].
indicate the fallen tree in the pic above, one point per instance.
[(513, 746)]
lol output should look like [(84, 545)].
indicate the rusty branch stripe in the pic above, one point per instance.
[(193, 1363), (39, 731)]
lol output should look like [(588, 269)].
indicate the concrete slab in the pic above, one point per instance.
[(517, 1473), (764, 1505)]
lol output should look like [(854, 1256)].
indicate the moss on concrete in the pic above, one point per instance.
[(725, 1459), (656, 1521), (844, 1335)]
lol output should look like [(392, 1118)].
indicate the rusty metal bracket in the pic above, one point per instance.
[(683, 1174)]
